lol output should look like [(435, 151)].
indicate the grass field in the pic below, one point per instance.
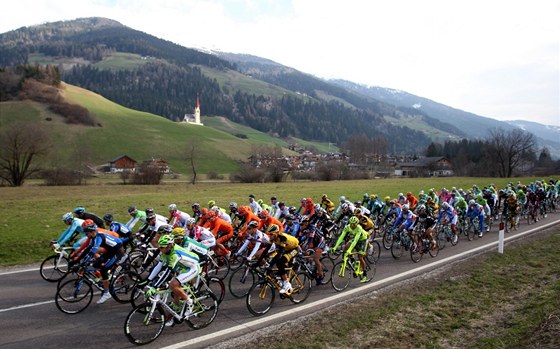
[(31, 214)]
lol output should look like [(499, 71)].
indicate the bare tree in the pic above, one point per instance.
[(20, 144), (192, 151), (509, 149)]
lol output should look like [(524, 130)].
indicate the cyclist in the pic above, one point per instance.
[(291, 227), (260, 242), (179, 235), (287, 247), (196, 211), (283, 209), (136, 216), (245, 215), (222, 230), (358, 205), (411, 200), (426, 222), (113, 252), (365, 221), (200, 234), (449, 215), (405, 221), (233, 214), (220, 213), (266, 220), (327, 204), (73, 230), (81, 213), (357, 242), (119, 228), (254, 205), (476, 210), (177, 218), (174, 260), (311, 238)]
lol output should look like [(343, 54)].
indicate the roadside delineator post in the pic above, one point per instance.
[(501, 239)]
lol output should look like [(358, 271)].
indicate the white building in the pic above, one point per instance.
[(194, 118)]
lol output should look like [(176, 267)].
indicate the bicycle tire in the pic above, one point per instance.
[(52, 269), (137, 296), (140, 328), (388, 239), (260, 298), (217, 286), (340, 282), (74, 295), (301, 287), (122, 285), (205, 309), (373, 251), (441, 239), (397, 249), (434, 251), (416, 252), (371, 269), (218, 266), (328, 265), (240, 284), (472, 232)]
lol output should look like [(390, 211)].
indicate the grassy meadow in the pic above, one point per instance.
[(31, 214)]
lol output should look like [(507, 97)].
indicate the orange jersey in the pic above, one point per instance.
[(217, 225)]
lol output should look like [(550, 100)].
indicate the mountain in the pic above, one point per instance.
[(150, 74)]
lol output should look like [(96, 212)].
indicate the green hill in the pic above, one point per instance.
[(140, 135)]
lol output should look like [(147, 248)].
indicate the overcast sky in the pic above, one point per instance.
[(495, 58)]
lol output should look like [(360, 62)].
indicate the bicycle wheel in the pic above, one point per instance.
[(205, 309), (122, 284), (240, 281), (373, 251), (472, 232), (328, 265), (434, 251), (217, 286), (144, 323), (137, 296), (371, 268), (218, 266), (397, 249), (301, 287), (260, 298), (74, 295), (54, 268), (416, 252), (388, 239), (441, 239), (340, 276)]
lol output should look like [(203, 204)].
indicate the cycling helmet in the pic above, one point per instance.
[(445, 205), (401, 195), (149, 211), (165, 229), (304, 219), (317, 207), (67, 216), (263, 214), (150, 216), (88, 225), (172, 207), (79, 210), (216, 209), (290, 217), (204, 211), (252, 224), (273, 229), (366, 195), (211, 203), (281, 204), (387, 198), (292, 209), (131, 209), (273, 198), (408, 193), (405, 207), (390, 203), (373, 196), (342, 198), (241, 210), (324, 196), (420, 208), (344, 206), (358, 203), (211, 214), (179, 232), (353, 220), (108, 217), (196, 205), (233, 204), (166, 240), (357, 211), (190, 221), (472, 202)]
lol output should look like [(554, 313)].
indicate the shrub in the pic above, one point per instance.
[(63, 176)]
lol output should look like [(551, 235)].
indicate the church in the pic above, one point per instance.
[(194, 118)]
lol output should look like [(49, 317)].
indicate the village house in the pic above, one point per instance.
[(425, 167), (122, 163)]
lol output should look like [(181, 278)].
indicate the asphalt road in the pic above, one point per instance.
[(30, 319)]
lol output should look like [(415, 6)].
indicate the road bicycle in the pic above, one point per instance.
[(146, 322), (424, 247), (401, 242), (242, 279), (55, 267), (444, 233), (349, 267), (473, 228), (262, 294), (75, 291), (306, 262)]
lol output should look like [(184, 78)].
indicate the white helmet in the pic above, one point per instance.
[(172, 207)]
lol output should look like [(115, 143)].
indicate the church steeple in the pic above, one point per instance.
[(197, 110)]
